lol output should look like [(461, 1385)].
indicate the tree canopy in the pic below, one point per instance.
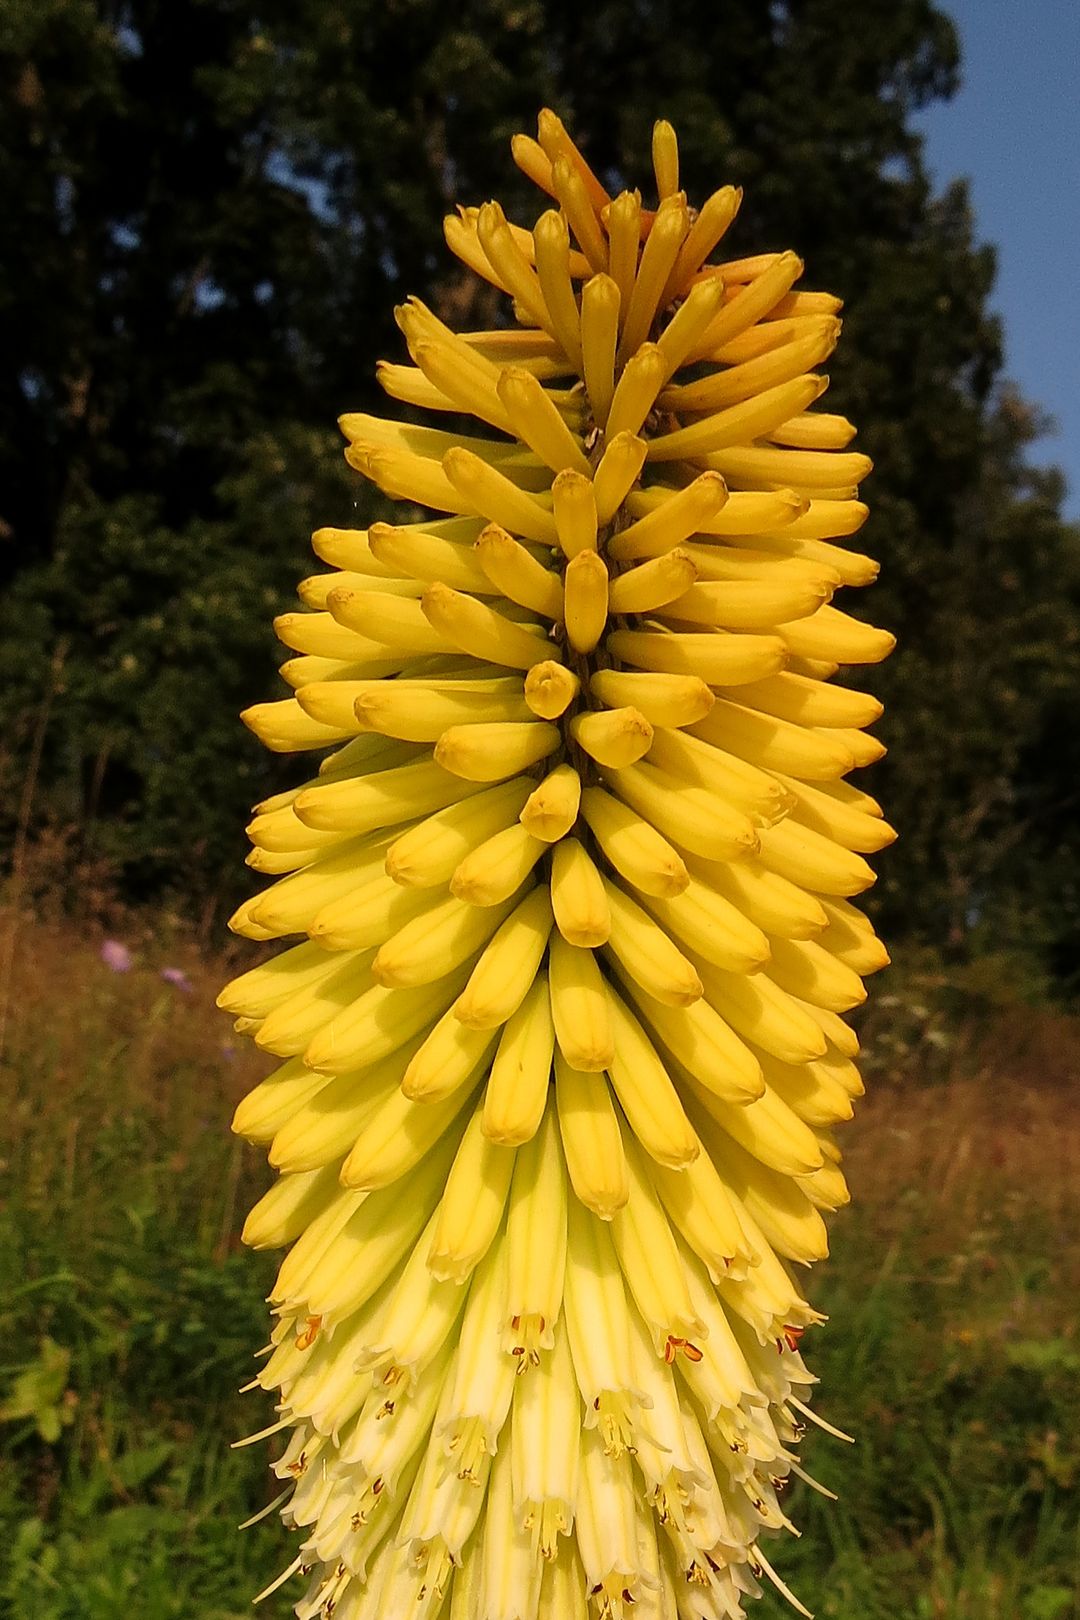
[(211, 208)]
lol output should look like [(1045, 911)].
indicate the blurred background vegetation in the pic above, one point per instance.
[(210, 208)]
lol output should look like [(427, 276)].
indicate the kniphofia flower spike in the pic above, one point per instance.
[(564, 1045)]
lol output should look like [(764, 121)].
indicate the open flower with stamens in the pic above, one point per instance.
[(564, 1045)]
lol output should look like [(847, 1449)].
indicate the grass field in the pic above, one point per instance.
[(128, 1314)]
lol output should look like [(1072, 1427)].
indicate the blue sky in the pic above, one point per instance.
[(1014, 130)]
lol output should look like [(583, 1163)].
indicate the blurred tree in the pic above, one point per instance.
[(211, 207)]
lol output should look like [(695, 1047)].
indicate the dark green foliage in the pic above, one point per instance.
[(211, 207)]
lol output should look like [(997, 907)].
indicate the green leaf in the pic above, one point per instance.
[(38, 1392)]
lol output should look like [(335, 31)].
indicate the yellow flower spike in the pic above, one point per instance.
[(665, 700), (613, 737), (585, 600), (713, 219), (566, 1037), (651, 1263), (750, 303), (369, 1245), (556, 142), (358, 804), (414, 712), (689, 815), (589, 1128), (575, 513), (436, 942), (533, 162), (551, 809), (380, 1022), (365, 918), (351, 549), (445, 1059), (719, 660), (748, 420), (563, 1587), (689, 323), (508, 966), (722, 389), (552, 240), (775, 905), (768, 1129), (517, 575), (261, 989), (636, 391), (324, 1130), (400, 1134), (762, 1013), (536, 1243), (480, 1385), (573, 195), (816, 1091), (848, 639), (622, 220), (289, 1208), (657, 261), (545, 1448), (600, 304), (653, 584), (517, 1088), (486, 753), (509, 263), (712, 929), (550, 689), (667, 525), (479, 630), (284, 727), (647, 1096), (579, 1006), (750, 604), (260, 1115), (429, 853), (499, 498), (323, 1224), (510, 1572), (429, 556), (471, 1211), (745, 513), (649, 954), (466, 384), (597, 1321), (703, 1211), (616, 472), (777, 1202), (771, 742), (815, 430), (537, 422), (633, 846), (698, 1038), (665, 156), (809, 471), (315, 590), (417, 1318), (578, 900), (404, 476)]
